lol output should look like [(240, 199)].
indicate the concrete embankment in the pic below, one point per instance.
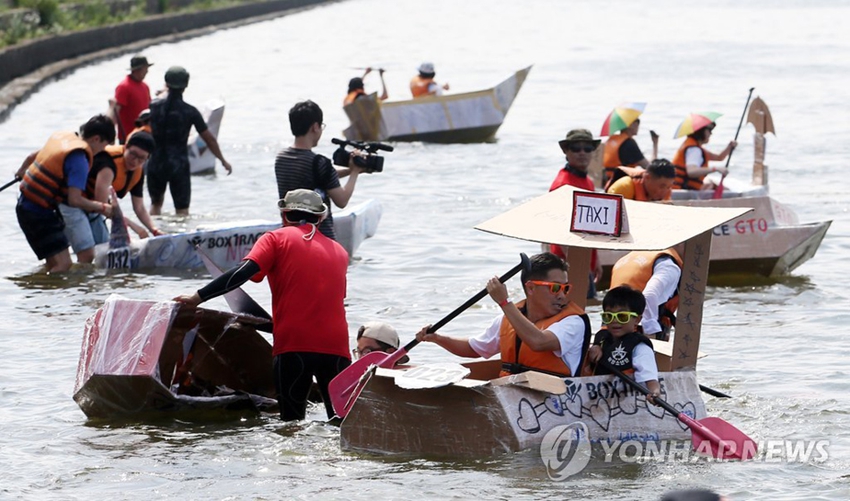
[(24, 67)]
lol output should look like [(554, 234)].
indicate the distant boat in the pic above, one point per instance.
[(226, 243), (201, 159), (470, 117)]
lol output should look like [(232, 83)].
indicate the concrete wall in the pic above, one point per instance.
[(34, 61)]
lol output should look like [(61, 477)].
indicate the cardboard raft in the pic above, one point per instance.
[(481, 417)]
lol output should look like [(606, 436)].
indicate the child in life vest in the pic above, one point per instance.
[(621, 343)]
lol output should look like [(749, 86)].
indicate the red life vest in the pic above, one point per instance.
[(352, 96), (419, 86), (683, 182), (518, 358), (44, 181)]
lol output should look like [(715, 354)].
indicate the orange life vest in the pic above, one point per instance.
[(683, 182), (419, 86), (635, 269), (611, 154), (44, 181), (124, 180), (352, 96), (517, 357)]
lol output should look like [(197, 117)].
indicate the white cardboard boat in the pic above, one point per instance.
[(227, 243), (201, 159), (767, 242), (483, 415), (468, 117)]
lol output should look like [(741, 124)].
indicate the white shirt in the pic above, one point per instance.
[(569, 331), (693, 156), (643, 362), (659, 289)]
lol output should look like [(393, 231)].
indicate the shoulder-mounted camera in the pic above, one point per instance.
[(372, 162)]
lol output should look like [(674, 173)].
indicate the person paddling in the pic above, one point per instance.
[(692, 158), (356, 89)]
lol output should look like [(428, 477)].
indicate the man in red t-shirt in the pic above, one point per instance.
[(306, 272), (132, 96), (578, 146)]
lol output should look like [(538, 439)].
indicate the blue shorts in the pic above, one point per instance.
[(83, 229), (43, 230)]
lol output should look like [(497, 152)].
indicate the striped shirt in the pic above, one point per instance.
[(295, 169)]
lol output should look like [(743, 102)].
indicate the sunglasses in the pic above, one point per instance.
[(586, 149), (622, 317), (554, 287)]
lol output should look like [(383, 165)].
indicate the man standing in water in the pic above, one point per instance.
[(131, 96), (306, 272), (171, 121), (298, 167)]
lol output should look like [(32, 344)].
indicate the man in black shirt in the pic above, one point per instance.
[(297, 167), (171, 121)]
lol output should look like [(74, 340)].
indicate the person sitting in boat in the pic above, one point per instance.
[(546, 332), (121, 169), (53, 179), (377, 336), (621, 149), (297, 167), (307, 276), (654, 184), (620, 342), (656, 274), (691, 160), (356, 90), (578, 147), (423, 84)]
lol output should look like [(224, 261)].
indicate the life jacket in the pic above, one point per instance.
[(683, 182), (618, 352), (611, 154), (44, 181), (635, 269), (620, 172), (517, 358), (124, 180), (419, 86), (352, 96)]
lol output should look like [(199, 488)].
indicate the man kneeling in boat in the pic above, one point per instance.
[(655, 184), (546, 332), (377, 336), (621, 344), (423, 84), (306, 272)]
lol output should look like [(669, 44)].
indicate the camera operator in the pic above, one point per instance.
[(297, 167)]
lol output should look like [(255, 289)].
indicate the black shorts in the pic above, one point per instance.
[(293, 377), (44, 231), (179, 179)]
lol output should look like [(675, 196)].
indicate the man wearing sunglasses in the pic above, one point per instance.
[(546, 332), (578, 146)]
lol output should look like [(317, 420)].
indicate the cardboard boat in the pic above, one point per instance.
[(483, 415), (201, 159), (144, 359), (227, 243), (469, 117)]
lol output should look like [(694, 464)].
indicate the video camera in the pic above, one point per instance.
[(371, 162)]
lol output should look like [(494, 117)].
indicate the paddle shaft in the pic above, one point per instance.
[(740, 124), (639, 387), (524, 262), (713, 392), (10, 183)]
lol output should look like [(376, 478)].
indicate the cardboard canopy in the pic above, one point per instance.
[(652, 226)]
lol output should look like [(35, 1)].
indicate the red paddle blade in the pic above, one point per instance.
[(347, 385), (717, 438), (718, 191)]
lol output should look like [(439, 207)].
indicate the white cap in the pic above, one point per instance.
[(379, 331), (426, 68)]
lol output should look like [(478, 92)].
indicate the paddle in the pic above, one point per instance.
[(713, 392), (718, 192), (346, 386), (710, 434), (10, 183)]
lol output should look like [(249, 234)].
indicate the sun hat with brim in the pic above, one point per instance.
[(385, 333), (303, 200), (579, 136), (426, 68), (139, 61)]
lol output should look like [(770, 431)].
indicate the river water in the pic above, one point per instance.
[(777, 347)]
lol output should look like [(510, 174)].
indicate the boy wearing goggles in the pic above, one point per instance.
[(621, 343), (546, 332)]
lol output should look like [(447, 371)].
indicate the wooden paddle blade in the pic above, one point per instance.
[(719, 438), (347, 385)]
